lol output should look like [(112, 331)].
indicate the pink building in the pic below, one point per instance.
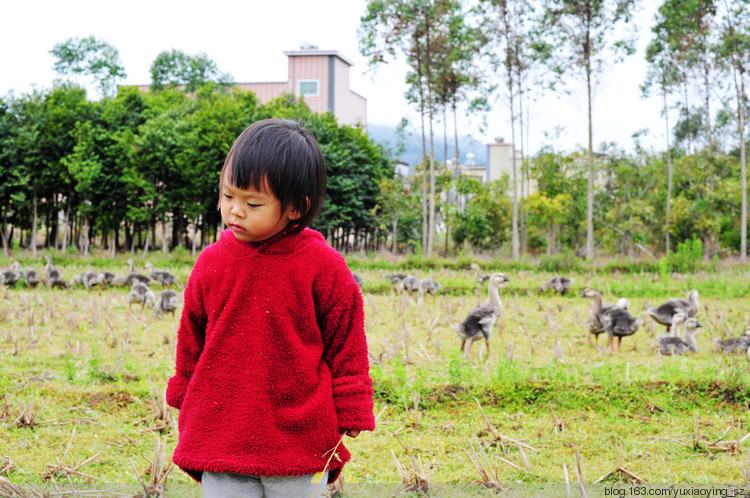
[(321, 77)]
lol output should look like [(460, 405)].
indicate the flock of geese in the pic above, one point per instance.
[(615, 320), (167, 301), (676, 314)]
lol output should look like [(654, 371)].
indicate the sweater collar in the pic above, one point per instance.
[(281, 243)]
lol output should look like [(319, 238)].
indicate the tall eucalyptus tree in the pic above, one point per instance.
[(507, 23), (413, 27), (389, 26), (583, 35), (734, 54), (663, 72)]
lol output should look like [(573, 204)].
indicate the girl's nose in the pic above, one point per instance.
[(237, 209)]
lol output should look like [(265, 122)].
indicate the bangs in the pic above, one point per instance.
[(249, 167)]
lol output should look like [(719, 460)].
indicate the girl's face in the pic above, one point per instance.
[(253, 216)]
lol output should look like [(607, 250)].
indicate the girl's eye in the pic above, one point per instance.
[(227, 196), (253, 205)]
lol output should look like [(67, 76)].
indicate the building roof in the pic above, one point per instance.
[(292, 53)]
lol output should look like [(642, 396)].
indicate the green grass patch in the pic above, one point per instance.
[(82, 372)]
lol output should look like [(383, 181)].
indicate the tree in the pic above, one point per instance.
[(581, 30), (395, 203), (459, 78), (174, 67), (663, 72), (89, 57), (549, 212), (12, 171), (207, 134), (734, 53), (684, 27), (31, 138), (120, 119), (158, 145), (84, 167), (484, 218), (508, 27), (626, 203), (65, 105), (559, 175), (412, 27)]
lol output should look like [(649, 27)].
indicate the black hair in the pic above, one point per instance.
[(283, 156)]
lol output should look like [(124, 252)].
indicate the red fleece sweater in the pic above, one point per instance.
[(271, 359)]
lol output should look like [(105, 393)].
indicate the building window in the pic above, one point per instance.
[(309, 88)]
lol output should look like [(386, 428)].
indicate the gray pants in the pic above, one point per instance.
[(225, 485)]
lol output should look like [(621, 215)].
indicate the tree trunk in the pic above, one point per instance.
[(193, 248), (743, 166), (445, 134), (707, 85), (133, 238), (128, 237), (420, 87), (590, 158), (431, 229), (738, 74), (394, 227), (687, 113), (431, 234), (33, 226), (5, 235), (515, 245), (457, 165), (146, 244), (510, 68), (550, 239), (84, 241), (524, 189), (164, 249), (631, 248), (669, 171)]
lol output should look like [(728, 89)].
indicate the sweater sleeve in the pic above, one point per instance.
[(341, 320), (190, 339)]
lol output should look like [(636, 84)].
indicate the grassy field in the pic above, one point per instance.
[(82, 381)]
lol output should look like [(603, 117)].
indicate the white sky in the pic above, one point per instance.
[(247, 39)]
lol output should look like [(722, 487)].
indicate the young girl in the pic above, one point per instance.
[(272, 368)]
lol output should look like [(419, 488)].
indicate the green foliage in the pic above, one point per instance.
[(394, 382), (95, 363), (70, 369), (688, 258), (564, 261), (484, 221), (663, 267), (91, 57), (175, 67), (146, 157), (65, 372), (133, 159), (459, 371)]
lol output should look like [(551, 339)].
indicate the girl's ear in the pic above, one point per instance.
[(295, 215)]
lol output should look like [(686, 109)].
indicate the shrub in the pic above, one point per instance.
[(562, 261), (688, 258)]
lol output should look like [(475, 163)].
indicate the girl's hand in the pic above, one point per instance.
[(351, 433)]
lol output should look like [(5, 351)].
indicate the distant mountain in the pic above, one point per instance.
[(412, 142)]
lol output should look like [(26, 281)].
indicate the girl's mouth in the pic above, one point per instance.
[(236, 228)]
